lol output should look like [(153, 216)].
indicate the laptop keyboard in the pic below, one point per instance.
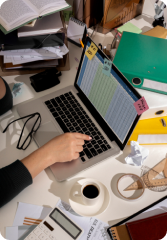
[(72, 118)]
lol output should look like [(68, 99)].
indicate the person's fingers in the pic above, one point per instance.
[(82, 136), (78, 149), (76, 155), (80, 142)]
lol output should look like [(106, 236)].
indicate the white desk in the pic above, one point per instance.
[(46, 191)]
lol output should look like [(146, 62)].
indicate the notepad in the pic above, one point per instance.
[(76, 30)]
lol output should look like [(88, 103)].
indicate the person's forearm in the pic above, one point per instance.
[(36, 162)]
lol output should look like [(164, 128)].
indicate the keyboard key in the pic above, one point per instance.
[(79, 114), (75, 124), (52, 110), (69, 98), (74, 105), (87, 125), (62, 97), (91, 129), (71, 128), (58, 109), (81, 154), (93, 133), (78, 128), (77, 109), (63, 116), (70, 93), (88, 154), (68, 105), (93, 151), (89, 145), (93, 142), (69, 116), (61, 105), (76, 117), (84, 129), (61, 112), (65, 120), (78, 121), (49, 106), (55, 114), (83, 159), (99, 142), (47, 102), (58, 99), (64, 109), (105, 142), (55, 104), (65, 102), (97, 137), (102, 137), (96, 146), (73, 113), (82, 125), (68, 124), (72, 120), (66, 94), (62, 125), (108, 146), (67, 112), (103, 147), (99, 151), (70, 109)]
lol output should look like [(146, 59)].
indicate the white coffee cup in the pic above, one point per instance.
[(90, 193)]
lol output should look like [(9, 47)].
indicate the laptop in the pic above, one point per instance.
[(97, 105)]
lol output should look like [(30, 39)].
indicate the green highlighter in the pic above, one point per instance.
[(143, 61)]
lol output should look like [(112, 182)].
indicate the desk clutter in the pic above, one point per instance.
[(37, 46)]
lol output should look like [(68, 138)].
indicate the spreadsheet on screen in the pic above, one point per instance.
[(109, 95)]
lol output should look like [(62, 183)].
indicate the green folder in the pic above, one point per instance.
[(143, 61), (129, 27)]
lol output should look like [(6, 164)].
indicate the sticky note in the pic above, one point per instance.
[(107, 67), (141, 106), (91, 51)]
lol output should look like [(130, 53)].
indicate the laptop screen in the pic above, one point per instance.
[(111, 96)]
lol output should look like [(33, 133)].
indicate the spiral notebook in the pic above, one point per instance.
[(76, 30)]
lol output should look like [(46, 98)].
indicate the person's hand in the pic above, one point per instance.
[(63, 148)]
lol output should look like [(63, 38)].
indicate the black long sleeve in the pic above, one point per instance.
[(13, 179)]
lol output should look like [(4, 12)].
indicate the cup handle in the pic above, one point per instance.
[(76, 194)]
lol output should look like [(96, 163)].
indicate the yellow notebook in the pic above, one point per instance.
[(158, 31), (150, 131)]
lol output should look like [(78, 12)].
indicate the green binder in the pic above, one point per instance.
[(143, 61)]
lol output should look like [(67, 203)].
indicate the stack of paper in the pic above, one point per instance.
[(17, 57)]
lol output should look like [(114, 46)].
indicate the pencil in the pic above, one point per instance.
[(81, 43)]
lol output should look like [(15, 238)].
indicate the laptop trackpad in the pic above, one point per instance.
[(45, 133)]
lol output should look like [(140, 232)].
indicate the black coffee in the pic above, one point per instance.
[(90, 191)]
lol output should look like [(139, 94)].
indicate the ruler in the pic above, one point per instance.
[(149, 177)]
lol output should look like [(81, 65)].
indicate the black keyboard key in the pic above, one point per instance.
[(70, 109), (69, 116), (87, 152), (63, 116), (96, 146), (87, 125), (62, 125), (79, 114), (69, 98), (104, 148), (93, 133), (68, 124), (68, 105), (91, 129), (61, 112), (99, 151), (78, 128), (82, 125), (87, 133), (65, 102), (81, 154), (105, 142), (70, 93), (73, 113), (99, 142), (52, 109), (55, 114), (65, 120), (93, 142), (62, 97), (58, 99), (93, 125), (78, 121), (71, 128), (77, 109), (71, 102), (85, 121), (95, 128), (97, 137), (61, 105), (93, 151), (55, 104), (74, 105), (76, 117), (64, 109), (72, 120), (102, 137), (82, 117), (84, 129), (89, 145), (47, 102), (108, 146), (49, 106), (58, 109), (75, 124), (66, 94), (67, 112), (83, 159)]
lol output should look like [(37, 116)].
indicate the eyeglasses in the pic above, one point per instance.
[(35, 127)]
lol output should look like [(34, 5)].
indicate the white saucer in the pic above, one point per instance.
[(79, 207)]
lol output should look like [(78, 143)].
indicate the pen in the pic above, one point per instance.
[(81, 43)]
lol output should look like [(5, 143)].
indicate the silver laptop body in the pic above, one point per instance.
[(50, 128)]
